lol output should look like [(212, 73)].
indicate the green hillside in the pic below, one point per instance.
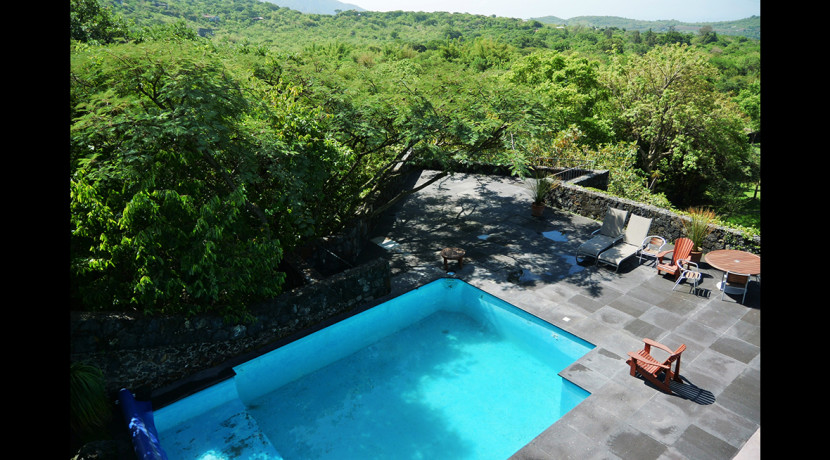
[(749, 27), (316, 6), (258, 22)]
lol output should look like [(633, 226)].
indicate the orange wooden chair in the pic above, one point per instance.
[(682, 249), (648, 367)]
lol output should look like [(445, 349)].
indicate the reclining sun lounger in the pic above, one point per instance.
[(635, 239), (609, 234)]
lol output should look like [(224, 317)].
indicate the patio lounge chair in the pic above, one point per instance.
[(634, 240), (606, 236), (682, 249), (644, 364)]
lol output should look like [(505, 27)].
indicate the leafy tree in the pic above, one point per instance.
[(707, 35), (184, 192), (686, 132), (749, 99), (650, 38), (390, 115), (569, 90), (93, 23), (673, 37)]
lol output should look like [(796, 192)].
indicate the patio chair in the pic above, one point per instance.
[(634, 240), (688, 271), (606, 236), (654, 245), (644, 364), (682, 249), (734, 281)]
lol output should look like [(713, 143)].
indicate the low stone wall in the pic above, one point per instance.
[(147, 353), (572, 197)]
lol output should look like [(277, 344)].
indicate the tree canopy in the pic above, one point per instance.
[(666, 102), (198, 162)]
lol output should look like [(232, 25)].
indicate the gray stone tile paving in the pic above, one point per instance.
[(529, 261)]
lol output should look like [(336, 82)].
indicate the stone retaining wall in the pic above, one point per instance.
[(572, 197), (146, 353)]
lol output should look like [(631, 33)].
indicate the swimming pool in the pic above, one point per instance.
[(443, 371)]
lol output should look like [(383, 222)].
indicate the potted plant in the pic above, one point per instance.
[(696, 228), (539, 187)]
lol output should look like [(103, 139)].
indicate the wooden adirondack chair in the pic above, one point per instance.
[(648, 367), (682, 249)]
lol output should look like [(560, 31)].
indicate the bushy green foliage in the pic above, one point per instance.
[(183, 185), (687, 133), (197, 162), (569, 92), (90, 22), (89, 409)]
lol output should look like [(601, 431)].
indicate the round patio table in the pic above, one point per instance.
[(735, 261)]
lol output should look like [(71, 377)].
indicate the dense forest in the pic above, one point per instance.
[(209, 138)]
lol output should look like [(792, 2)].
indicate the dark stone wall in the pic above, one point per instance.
[(593, 204), (147, 353)]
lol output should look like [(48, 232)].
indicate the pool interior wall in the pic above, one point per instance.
[(260, 376)]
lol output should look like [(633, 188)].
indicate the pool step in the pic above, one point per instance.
[(237, 436)]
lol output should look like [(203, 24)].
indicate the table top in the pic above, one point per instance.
[(733, 260), (452, 253)]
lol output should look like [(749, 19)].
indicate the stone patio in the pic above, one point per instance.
[(529, 261)]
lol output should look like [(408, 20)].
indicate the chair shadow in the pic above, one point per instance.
[(685, 389), (702, 292), (688, 390)]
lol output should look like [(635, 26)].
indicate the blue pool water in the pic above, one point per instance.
[(444, 371)]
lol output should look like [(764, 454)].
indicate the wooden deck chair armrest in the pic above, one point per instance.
[(637, 357), (659, 345), (662, 254)]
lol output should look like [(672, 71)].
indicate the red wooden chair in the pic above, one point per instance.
[(648, 367), (682, 250)]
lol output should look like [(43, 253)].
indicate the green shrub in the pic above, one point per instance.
[(89, 409)]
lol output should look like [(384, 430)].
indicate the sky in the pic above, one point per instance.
[(647, 10)]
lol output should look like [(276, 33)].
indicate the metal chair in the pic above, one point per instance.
[(652, 245), (688, 271), (735, 281)]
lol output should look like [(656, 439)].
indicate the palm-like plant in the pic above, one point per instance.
[(539, 187), (89, 408), (699, 225)]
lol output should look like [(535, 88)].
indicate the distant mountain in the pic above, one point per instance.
[(315, 6), (749, 27)]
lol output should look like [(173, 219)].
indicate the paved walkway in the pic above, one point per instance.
[(713, 414)]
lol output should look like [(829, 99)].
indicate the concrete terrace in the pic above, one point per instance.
[(715, 413)]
